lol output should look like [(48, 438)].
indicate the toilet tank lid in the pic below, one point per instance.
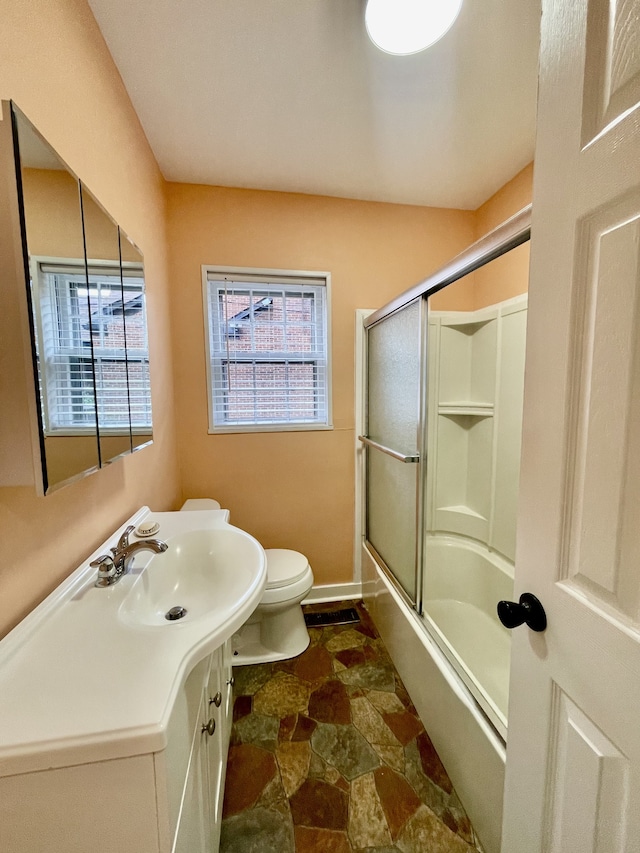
[(199, 504), (284, 566)]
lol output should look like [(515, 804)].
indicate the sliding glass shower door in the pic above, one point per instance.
[(393, 440), (443, 451)]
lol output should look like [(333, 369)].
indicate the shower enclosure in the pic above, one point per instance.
[(441, 450)]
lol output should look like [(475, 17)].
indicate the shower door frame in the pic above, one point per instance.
[(509, 235), (418, 459)]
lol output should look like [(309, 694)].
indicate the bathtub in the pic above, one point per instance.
[(463, 582), (460, 592)]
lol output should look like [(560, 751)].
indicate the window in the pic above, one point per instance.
[(81, 341), (268, 344)]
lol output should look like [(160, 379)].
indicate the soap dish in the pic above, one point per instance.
[(147, 528)]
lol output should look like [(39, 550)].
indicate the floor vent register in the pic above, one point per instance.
[(346, 616)]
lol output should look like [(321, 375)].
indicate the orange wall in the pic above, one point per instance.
[(506, 276), (507, 201), (55, 65), (293, 489), (58, 236), (457, 296)]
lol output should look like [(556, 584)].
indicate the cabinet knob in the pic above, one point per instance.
[(209, 727), (217, 700), (231, 681)]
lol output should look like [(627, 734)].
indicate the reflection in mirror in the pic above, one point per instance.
[(58, 296), (476, 339), (106, 328), (135, 320)]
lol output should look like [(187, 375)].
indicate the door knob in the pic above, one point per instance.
[(527, 610)]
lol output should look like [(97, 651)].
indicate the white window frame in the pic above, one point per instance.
[(39, 288), (277, 277)]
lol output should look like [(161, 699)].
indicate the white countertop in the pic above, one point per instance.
[(78, 684)]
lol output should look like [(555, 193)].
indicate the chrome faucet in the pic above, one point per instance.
[(111, 567)]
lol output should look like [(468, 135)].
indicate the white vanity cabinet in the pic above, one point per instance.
[(195, 776), (164, 802), (114, 719), (218, 702)]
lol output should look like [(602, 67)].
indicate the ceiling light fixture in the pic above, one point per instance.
[(409, 26)]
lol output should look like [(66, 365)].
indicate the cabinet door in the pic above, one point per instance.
[(227, 695), (193, 835), (215, 745), (184, 726)]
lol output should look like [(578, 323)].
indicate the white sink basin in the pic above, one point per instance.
[(206, 572), (124, 663)]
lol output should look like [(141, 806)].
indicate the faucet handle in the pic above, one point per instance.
[(123, 541), (106, 569)]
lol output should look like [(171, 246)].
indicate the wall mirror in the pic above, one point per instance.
[(86, 295)]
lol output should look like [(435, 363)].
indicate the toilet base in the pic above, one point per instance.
[(271, 638)]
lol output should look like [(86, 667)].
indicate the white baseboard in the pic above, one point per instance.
[(333, 592)]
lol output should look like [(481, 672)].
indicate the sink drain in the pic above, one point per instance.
[(176, 612)]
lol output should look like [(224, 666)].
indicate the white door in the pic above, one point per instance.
[(573, 754)]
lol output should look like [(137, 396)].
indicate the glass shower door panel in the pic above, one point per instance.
[(393, 397), (391, 516), (393, 409)]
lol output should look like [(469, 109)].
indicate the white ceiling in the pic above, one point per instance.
[(291, 95)]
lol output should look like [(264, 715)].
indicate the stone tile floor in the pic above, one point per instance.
[(328, 755)]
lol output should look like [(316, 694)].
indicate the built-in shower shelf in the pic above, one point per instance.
[(462, 510), (466, 408), (463, 520)]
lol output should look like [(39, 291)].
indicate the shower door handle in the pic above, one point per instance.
[(527, 610), (396, 454)]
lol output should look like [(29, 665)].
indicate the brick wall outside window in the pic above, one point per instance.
[(268, 353)]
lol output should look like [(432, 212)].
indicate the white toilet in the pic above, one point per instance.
[(276, 629)]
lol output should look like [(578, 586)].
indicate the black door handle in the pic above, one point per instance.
[(527, 611)]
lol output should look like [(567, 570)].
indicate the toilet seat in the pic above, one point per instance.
[(285, 567)]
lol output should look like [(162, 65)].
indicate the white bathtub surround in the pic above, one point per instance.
[(102, 701), (476, 382)]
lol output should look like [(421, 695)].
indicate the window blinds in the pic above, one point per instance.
[(137, 352), (82, 351), (65, 351), (268, 351)]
